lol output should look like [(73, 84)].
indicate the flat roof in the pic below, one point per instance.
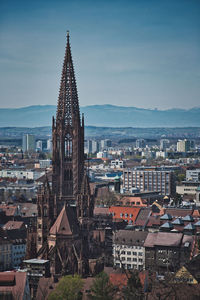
[(36, 261)]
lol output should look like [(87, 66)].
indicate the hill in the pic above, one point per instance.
[(103, 115)]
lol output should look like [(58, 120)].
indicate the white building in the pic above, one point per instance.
[(45, 163), (161, 154), (105, 144), (39, 146), (117, 164), (193, 175), (21, 174), (49, 145), (183, 145), (128, 249), (154, 180)]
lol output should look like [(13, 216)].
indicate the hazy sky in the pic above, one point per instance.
[(143, 53)]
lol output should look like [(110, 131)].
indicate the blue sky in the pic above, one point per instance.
[(134, 53)]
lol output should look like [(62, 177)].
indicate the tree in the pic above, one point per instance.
[(133, 290), (68, 288), (102, 289)]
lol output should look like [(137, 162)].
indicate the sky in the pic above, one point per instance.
[(126, 52)]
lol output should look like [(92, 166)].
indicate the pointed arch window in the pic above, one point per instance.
[(68, 147), (45, 212)]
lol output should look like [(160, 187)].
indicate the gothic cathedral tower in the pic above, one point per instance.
[(68, 139), (65, 205)]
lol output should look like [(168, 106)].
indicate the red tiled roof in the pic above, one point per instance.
[(18, 288), (9, 210), (178, 212), (117, 210), (163, 239), (118, 279), (153, 221), (6, 277), (142, 216), (13, 225)]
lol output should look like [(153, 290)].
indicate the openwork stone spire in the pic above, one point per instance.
[(68, 106), (68, 138)]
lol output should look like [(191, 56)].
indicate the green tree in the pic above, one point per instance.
[(102, 289), (133, 290), (68, 288)]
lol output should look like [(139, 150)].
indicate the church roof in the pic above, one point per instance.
[(65, 223)]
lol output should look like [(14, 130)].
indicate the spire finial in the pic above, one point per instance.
[(67, 35)]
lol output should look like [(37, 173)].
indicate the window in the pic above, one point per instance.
[(121, 215), (140, 253), (134, 253), (128, 252), (128, 258), (123, 252), (123, 258), (134, 259)]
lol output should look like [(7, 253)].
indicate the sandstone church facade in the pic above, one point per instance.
[(65, 203)]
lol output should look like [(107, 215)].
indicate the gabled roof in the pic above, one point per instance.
[(178, 212), (11, 225), (66, 223), (169, 239)]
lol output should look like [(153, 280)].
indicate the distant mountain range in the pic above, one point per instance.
[(103, 115)]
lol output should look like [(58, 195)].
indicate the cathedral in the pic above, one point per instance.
[(65, 204)]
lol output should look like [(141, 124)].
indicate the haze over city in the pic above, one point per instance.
[(132, 53)]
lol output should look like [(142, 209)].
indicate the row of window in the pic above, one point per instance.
[(130, 247), (130, 266), (132, 259), (129, 253)]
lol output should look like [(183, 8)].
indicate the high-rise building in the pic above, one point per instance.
[(88, 146), (183, 145), (65, 205), (28, 142), (49, 145), (164, 144), (39, 145), (105, 144), (95, 146), (140, 143)]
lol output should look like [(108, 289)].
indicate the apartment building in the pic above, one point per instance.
[(128, 249), (155, 180)]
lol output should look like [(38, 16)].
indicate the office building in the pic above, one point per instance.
[(28, 143), (183, 145), (149, 180)]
